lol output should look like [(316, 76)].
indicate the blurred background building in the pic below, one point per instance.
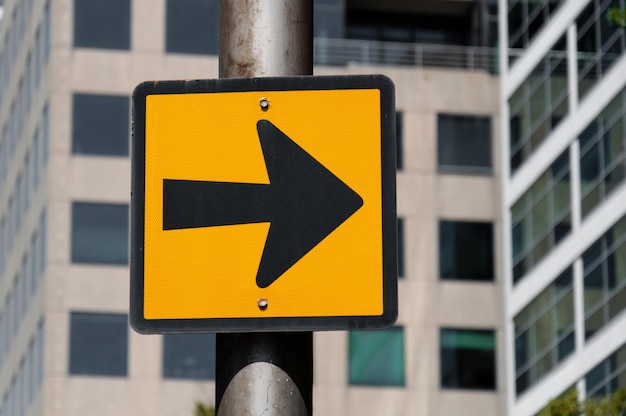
[(510, 271), (563, 99)]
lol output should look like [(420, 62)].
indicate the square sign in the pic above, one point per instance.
[(263, 204)]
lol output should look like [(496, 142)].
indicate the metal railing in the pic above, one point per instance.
[(366, 52)]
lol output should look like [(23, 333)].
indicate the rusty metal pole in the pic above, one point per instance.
[(265, 373), (260, 38)]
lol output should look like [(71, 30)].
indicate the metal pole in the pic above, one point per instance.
[(265, 373), (260, 38), (269, 374)]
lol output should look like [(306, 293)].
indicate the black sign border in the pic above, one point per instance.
[(271, 324)]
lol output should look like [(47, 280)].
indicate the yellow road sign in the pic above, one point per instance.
[(263, 204)]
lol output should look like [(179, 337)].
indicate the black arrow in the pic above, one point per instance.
[(304, 203)]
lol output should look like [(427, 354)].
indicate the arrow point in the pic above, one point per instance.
[(311, 203)]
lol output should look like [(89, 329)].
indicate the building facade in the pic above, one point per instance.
[(563, 102), (67, 68)]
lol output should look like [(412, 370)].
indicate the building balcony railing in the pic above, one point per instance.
[(367, 52)]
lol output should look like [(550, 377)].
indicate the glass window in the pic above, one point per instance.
[(608, 376), (541, 218), (100, 125), (102, 24), (192, 26), (466, 250), (464, 143), (603, 154), (600, 43), (544, 332), (399, 164), (99, 233), (385, 25), (98, 344), (467, 359), (604, 266), (328, 23), (538, 105), (376, 358), (526, 19), (189, 356)]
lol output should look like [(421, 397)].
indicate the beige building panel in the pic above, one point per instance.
[(148, 31), (382, 401), (60, 128), (415, 299), (422, 359), (330, 351), (99, 179), (467, 304), (106, 72), (92, 288), (112, 396), (419, 146), (448, 303), (144, 355), (458, 402), (421, 260), (63, 24), (56, 276), (416, 195), (467, 197), (179, 397), (57, 350), (329, 400), (451, 91), (440, 90), (58, 247)]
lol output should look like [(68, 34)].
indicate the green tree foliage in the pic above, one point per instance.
[(568, 405), (617, 16), (202, 409), (565, 405)]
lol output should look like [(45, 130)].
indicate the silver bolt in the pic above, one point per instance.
[(262, 303), (264, 103)]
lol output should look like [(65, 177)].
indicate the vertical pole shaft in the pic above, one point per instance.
[(260, 38), (265, 373)]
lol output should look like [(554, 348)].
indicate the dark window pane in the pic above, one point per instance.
[(102, 24), (189, 356), (608, 376), (98, 344), (544, 332), (192, 26), (604, 268), (385, 25), (99, 233), (467, 359), (328, 19), (376, 357), (464, 143), (466, 250), (541, 217), (100, 125)]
